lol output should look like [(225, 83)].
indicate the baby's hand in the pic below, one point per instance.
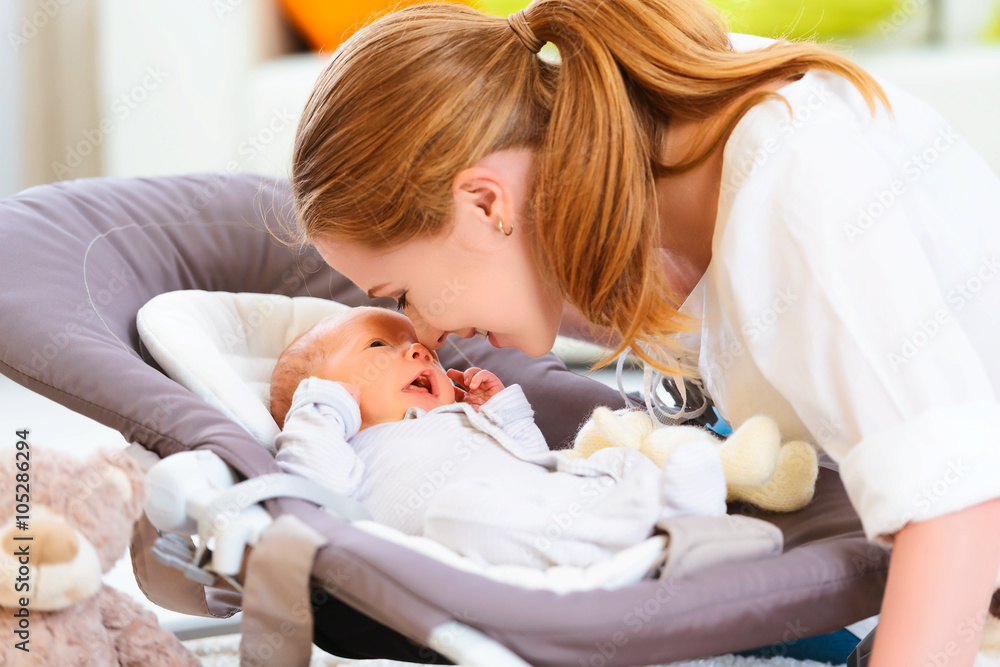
[(352, 390), (481, 386)]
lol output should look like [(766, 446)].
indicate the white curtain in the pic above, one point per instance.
[(10, 109), (61, 138)]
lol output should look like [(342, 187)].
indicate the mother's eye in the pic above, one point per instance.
[(401, 302)]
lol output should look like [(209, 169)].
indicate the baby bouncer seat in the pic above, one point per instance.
[(80, 259)]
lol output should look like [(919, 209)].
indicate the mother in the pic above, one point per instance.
[(772, 220)]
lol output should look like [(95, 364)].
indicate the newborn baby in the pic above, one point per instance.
[(369, 412)]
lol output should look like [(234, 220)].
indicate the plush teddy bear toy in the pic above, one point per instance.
[(63, 524), (759, 469), (989, 649)]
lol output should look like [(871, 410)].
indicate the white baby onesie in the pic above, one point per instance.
[(486, 485)]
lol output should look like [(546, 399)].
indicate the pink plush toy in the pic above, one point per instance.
[(54, 610)]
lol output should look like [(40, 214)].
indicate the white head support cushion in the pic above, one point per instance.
[(223, 346)]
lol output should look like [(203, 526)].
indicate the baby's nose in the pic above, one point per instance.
[(418, 351)]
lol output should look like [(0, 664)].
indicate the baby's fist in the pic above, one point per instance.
[(477, 386), (352, 390)]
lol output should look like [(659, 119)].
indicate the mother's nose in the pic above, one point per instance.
[(432, 338)]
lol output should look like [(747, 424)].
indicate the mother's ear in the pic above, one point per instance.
[(481, 203)]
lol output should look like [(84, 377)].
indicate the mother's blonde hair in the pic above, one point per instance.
[(409, 101)]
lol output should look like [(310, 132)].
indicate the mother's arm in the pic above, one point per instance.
[(941, 577)]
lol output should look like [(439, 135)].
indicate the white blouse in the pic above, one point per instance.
[(853, 295)]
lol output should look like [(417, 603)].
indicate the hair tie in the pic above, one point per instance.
[(520, 26)]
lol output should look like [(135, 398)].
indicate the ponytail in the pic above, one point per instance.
[(628, 67)]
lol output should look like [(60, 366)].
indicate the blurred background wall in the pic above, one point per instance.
[(12, 106), (57, 42), (147, 87)]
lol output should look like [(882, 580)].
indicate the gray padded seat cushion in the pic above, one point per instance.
[(80, 258)]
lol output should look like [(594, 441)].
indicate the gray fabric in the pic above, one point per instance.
[(277, 622), (167, 586), (79, 258), (700, 542)]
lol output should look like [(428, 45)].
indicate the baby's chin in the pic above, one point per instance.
[(431, 402), (426, 404)]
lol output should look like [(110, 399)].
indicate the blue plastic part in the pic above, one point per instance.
[(720, 426), (832, 648)]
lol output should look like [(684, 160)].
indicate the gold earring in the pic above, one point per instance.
[(506, 232)]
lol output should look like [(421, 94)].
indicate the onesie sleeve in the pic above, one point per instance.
[(509, 409), (840, 274), (314, 442)]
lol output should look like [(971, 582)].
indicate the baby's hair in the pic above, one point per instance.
[(297, 362), (411, 100)]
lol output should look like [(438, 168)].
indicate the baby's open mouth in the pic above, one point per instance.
[(422, 383)]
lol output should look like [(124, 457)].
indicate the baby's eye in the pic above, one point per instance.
[(378, 343)]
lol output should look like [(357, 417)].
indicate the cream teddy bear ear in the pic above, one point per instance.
[(628, 425), (750, 454), (989, 649), (607, 428), (660, 443), (123, 474), (793, 484)]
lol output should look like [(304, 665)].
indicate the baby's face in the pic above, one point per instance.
[(376, 350)]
